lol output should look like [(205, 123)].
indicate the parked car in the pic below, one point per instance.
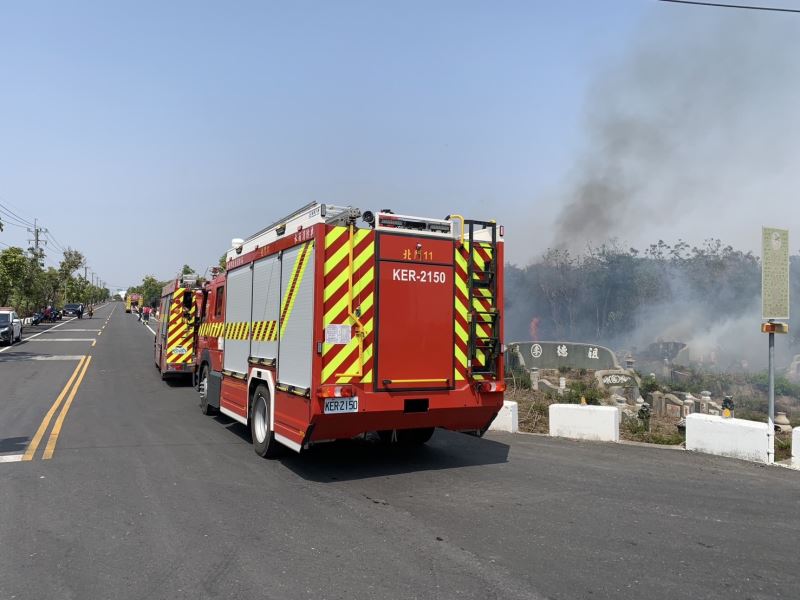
[(73, 309), (10, 326)]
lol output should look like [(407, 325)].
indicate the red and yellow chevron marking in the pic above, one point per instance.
[(180, 334), (298, 270), (211, 329), (482, 302), (461, 315), (344, 358), (237, 331), (265, 331)]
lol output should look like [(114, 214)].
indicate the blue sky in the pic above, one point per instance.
[(148, 134)]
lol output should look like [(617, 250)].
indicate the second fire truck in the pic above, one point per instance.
[(331, 323)]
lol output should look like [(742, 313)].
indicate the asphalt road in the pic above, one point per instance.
[(144, 497)]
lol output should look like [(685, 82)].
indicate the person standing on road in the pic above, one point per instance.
[(80, 311), (146, 313), (139, 312)]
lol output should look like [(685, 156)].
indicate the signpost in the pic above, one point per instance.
[(774, 306)]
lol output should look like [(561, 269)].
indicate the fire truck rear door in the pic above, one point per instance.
[(415, 313)]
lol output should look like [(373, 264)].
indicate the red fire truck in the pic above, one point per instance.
[(321, 329), (177, 328)]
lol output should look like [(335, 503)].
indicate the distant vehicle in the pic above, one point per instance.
[(10, 326), (176, 333), (132, 302), (36, 318), (73, 309)]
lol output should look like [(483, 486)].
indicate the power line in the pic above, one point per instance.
[(15, 215), (741, 6), (54, 242), (9, 218), (14, 224)]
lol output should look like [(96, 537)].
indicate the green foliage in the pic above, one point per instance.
[(649, 384), (783, 387), (27, 286), (223, 262), (150, 289), (580, 389)]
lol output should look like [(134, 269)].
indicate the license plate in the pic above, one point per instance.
[(341, 405)]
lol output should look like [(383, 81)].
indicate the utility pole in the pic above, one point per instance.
[(37, 241)]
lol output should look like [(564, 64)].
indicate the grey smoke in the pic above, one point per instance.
[(700, 118)]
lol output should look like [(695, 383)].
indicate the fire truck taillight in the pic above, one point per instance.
[(335, 391), (485, 387)]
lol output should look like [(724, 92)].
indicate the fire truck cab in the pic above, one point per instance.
[(321, 329)]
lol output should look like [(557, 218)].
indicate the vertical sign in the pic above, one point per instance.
[(774, 273)]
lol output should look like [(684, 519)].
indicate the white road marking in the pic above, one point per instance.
[(54, 357), (92, 330), (65, 340), (148, 326), (11, 458), (40, 333)]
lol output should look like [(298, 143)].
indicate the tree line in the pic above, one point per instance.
[(150, 287), (608, 293), (28, 286)]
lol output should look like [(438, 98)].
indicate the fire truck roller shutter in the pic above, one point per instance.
[(237, 319), (266, 302), (296, 320)]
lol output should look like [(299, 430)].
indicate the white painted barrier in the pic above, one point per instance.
[(576, 421), (507, 419), (796, 446), (736, 438)]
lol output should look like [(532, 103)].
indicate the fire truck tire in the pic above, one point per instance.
[(264, 442), (202, 387)]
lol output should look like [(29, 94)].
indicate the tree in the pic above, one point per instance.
[(13, 268), (187, 270)]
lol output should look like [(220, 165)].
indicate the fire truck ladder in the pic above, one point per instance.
[(482, 284)]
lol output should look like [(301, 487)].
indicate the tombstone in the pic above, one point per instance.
[(656, 402), (562, 385), (535, 379), (673, 406), (688, 407), (705, 402)]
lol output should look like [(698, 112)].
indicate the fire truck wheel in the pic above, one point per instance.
[(263, 437), (202, 387)]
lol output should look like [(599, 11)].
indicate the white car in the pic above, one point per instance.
[(10, 326)]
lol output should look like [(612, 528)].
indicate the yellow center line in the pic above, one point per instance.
[(51, 442), (31, 450)]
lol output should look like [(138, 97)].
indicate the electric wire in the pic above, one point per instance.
[(740, 6)]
